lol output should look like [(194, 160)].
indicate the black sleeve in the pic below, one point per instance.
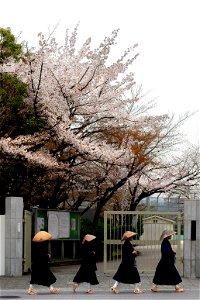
[(167, 252), (127, 252)]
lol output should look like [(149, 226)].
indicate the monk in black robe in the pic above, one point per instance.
[(87, 270), (127, 272), (166, 272), (40, 270)]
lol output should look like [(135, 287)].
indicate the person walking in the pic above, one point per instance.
[(40, 271), (166, 272), (127, 272), (87, 270)]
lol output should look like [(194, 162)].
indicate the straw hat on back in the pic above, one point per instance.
[(166, 233), (88, 238), (42, 236), (128, 234)]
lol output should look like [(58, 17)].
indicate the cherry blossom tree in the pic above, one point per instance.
[(97, 134), (156, 166)]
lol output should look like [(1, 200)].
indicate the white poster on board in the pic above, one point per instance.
[(59, 224), (53, 224), (64, 224)]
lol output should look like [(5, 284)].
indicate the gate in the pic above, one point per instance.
[(27, 241), (149, 226)]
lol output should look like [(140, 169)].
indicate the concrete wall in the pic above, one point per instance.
[(2, 245), (13, 236), (191, 250)]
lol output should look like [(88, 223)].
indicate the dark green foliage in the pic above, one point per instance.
[(88, 227), (8, 45), (12, 91), (16, 116)]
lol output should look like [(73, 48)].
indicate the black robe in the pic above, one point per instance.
[(86, 272), (127, 271), (40, 272), (166, 272)]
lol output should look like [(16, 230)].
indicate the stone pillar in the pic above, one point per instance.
[(191, 250), (13, 236), (2, 245), (197, 269)]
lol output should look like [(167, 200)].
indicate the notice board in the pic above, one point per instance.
[(61, 224)]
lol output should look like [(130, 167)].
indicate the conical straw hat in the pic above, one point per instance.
[(88, 238), (128, 234), (166, 233), (42, 236)]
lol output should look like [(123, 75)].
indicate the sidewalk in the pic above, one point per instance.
[(16, 287)]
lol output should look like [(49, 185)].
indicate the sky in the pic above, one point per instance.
[(166, 31)]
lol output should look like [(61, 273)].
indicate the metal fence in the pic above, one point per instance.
[(149, 226)]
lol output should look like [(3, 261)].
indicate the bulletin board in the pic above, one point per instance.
[(60, 223)]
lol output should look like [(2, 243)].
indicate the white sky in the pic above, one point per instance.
[(167, 32)]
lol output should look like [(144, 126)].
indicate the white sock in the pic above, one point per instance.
[(137, 285), (88, 286), (31, 286), (115, 284), (51, 287)]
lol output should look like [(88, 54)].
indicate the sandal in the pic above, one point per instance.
[(32, 292), (178, 289), (55, 290), (138, 291), (90, 291), (74, 287), (154, 289), (114, 290)]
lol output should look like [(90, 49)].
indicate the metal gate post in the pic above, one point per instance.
[(27, 241), (179, 221), (105, 240)]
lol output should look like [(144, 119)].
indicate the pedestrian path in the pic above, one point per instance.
[(16, 287)]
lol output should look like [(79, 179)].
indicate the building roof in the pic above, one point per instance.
[(158, 217)]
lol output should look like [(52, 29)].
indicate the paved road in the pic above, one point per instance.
[(16, 287)]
